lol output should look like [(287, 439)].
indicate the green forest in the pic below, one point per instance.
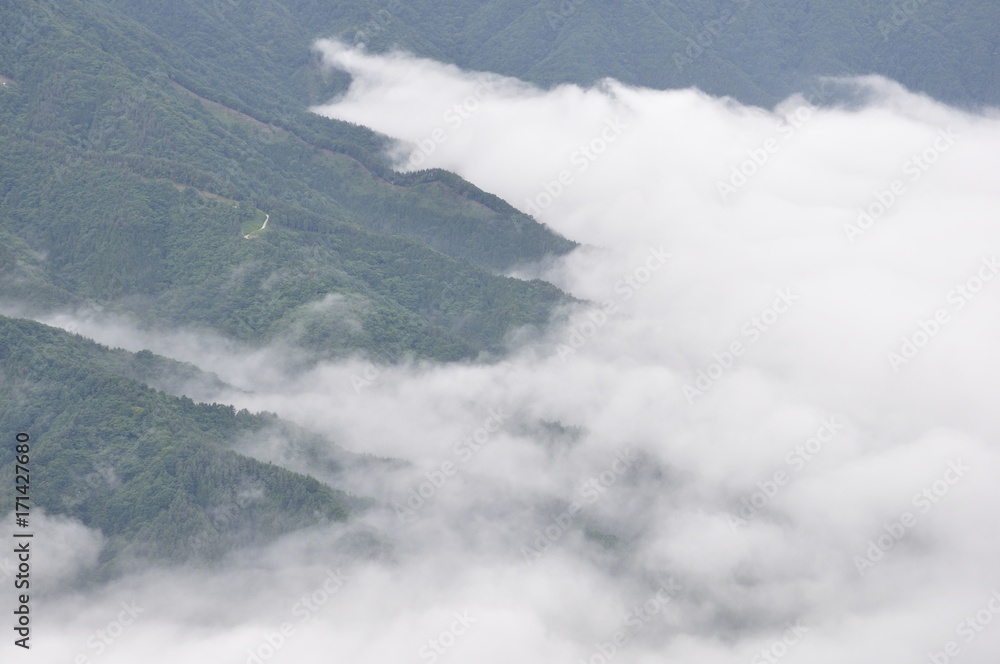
[(158, 475), (123, 184)]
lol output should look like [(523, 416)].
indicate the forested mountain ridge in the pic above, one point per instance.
[(156, 474), (757, 52), (130, 180)]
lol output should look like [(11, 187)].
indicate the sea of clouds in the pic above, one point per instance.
[(769, 434)]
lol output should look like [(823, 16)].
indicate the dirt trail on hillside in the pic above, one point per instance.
[(251, 235)]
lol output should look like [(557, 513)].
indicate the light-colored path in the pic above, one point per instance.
[(251, 235)]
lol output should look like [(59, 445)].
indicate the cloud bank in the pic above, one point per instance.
[(770, 435)]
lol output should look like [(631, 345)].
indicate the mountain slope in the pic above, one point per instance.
[(155, 473), (123, 183)]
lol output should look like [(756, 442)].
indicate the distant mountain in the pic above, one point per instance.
[(757, 52)]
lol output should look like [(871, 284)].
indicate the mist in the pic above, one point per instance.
[(768, 435)]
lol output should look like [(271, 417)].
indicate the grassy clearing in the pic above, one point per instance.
[(253, 226)]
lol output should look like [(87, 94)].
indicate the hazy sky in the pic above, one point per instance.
[(779, 411)]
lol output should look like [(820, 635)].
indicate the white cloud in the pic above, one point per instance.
[(621, 380)]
